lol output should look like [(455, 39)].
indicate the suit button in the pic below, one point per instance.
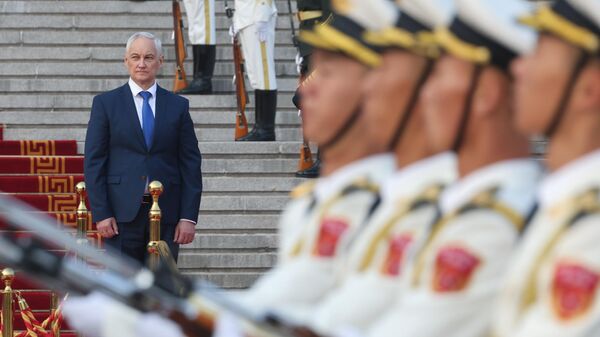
[(143, 178)]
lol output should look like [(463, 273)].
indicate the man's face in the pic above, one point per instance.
[(331, 96), (143, 62), (388, 90), (540, 81), (443, 100)]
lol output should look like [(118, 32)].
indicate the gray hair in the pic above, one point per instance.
[(146, 35)]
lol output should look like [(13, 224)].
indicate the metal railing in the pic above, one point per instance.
[(8, 276)]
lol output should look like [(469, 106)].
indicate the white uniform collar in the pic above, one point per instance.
[(136, 89), (376, 168), (414, 178), (517, 180), (570, 180)]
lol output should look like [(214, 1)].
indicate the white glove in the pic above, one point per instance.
[(299, 60), (98, 315), (262, 30), (228, 326), (232, 31)]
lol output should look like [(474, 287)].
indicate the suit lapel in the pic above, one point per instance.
[(132, 117), (159, 114)]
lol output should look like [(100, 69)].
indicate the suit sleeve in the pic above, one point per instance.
[(95, 162), (190, 162)]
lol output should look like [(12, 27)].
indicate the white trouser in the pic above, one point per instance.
[(260, 56), (201, 21)]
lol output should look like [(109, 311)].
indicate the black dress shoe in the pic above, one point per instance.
[(311, 172)]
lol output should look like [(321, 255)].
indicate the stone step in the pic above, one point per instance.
[(81, 117), (114, 53), (227, 260), (223, 69), (78, 133), (108, 7), (239, 203), (115, 38), (84, 101), (231, 242), (236, 222), (110, 21), (93, 85), (231, 280), (246, 185)]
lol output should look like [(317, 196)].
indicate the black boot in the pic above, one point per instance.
[(204, 67), (265, 107)]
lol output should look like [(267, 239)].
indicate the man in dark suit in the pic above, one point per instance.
[(138, 133)]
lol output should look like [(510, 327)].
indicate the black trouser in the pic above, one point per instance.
[(134, 236)]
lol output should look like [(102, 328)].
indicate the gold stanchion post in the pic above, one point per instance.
[(82, 214), (8, 275), (156, 189)]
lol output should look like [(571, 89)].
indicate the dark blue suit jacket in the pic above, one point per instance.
[(117, 161)]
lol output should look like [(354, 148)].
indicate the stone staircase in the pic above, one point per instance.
[(56, 55)]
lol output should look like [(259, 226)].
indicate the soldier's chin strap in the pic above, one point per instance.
[(343, 130), (402, 124), (464, 118), (564, 101)]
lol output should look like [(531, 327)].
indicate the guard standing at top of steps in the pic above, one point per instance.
[(201, 31), (254, 21)]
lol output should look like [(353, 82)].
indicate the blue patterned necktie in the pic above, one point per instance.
[(147, 118)]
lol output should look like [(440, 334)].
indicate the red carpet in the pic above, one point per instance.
[(40, 165), (38, 148), (39, 184), (43, 174)]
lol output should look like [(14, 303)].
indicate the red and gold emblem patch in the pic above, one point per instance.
[(329, 235), (454, 267), (573, 290), (396, 249)]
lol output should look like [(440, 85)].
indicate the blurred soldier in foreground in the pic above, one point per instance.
[(255, 22), (377, 259), (467, 104), (552, 289), (201, 31), (353, 169)]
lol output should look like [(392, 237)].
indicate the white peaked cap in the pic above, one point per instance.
[(370, 14), (498, 20), (431, 13), (575, 21)]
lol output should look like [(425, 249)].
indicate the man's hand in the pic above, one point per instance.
[(184, 232), (108, 228)]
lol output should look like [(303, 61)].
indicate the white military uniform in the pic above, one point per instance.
[(552, 287), (344, 201), (378, 257), (201, 21), (259, 55), (458, 273)]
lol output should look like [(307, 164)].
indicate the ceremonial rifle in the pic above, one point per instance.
[(84, 269), (241, 95), (180, 81)]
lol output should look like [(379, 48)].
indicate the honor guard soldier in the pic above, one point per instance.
[(552, 286), (254, 21), (378, 257), (345, 196), (201, 31), (457, 274), (310, 13)]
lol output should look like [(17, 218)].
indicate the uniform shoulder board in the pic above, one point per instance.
[(430, 196), (303, 189), (361, 185), (588, 203), (488, 200)]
